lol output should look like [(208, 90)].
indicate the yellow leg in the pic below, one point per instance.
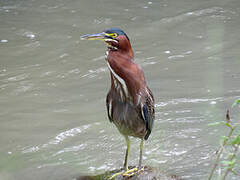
[(141, 152), (134, 171), (138, 169), (127, 153), (125, 162)]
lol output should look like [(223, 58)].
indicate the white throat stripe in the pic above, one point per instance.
[(119, 79)]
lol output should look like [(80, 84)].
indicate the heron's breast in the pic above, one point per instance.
[(128, 119)]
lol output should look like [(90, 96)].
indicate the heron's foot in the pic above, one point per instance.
[(128, 173), (115, 175), (132, 172)]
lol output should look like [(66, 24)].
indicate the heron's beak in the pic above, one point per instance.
[(98, 36)]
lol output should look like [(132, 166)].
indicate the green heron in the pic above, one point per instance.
[(130, 103)]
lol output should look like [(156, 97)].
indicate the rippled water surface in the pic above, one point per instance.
[(53, 122)]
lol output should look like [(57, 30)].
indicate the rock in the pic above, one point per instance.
[(149, 173)]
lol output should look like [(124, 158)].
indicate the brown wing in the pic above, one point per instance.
[(148, 112)]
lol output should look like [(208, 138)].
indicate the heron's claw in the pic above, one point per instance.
[(132, 172), (114, 175), (128, 173)]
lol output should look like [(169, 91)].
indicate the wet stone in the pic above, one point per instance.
[(149, 173)]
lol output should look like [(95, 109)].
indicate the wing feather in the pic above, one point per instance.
[(109, 108), (147, 111)]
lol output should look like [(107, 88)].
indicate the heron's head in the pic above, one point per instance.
[(115, 38)]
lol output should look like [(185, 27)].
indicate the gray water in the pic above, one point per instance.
[(53, 122)]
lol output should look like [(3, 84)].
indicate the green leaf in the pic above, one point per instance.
[(236, 102), (229, 163), (236, 140), (228, 125)]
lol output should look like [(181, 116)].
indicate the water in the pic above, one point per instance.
[(53, 122)]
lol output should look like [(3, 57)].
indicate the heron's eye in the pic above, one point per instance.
[(113, 35)]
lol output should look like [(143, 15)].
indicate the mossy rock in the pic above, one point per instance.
[(149, 173)]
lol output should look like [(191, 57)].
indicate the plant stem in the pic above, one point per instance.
[(231, 158), (219, 154)]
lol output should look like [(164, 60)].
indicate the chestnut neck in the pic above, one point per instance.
[(124, 46)]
